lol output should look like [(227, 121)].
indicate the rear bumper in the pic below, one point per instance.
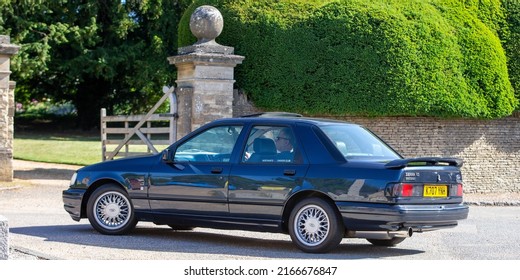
[(72, 199), (386, 217)]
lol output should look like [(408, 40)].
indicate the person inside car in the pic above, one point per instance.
[(285, 146)]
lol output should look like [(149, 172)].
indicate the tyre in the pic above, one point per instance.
[(110, 211), (314, 226), (386, 242)]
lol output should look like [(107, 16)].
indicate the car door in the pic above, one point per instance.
[(196, 181), (264, 178)]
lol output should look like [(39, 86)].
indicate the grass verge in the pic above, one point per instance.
[(53, 149), (76, 150)]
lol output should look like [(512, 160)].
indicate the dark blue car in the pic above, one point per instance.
[(317, 180)]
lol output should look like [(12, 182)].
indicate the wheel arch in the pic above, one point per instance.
[(93, 187), (289, 205)]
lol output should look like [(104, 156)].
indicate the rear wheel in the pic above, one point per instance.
[(110, 211), (314, 226), (387, 242)]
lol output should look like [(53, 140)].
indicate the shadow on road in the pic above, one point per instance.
[(162, 239)]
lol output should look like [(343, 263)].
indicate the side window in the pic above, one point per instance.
[(355, 141), (213, 145), (271, 144)]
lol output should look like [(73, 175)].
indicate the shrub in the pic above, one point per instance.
[(368, 58), (44, 114), (45, 108), (511, 37)]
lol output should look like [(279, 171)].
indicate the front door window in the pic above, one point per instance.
[(212, 145)]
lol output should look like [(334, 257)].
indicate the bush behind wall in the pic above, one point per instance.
[(368, 58)]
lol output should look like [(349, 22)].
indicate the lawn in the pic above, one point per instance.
[(67, 149), (58, 149)]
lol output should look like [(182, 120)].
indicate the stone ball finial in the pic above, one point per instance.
[(206, 23)]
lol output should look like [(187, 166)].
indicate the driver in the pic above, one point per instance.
[(284, 145)]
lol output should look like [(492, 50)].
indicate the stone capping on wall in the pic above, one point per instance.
[(207, 59), (6, 47)]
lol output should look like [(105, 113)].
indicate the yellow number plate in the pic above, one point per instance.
[(435, 191)]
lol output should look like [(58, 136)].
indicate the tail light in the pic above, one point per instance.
[(417, 189), (457, 190), (460, 191), (406, 190)]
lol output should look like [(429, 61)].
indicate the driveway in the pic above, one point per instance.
[(41, 229)]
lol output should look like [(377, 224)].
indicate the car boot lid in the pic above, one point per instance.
[(402, 163)]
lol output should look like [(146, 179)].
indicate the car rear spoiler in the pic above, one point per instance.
[(402, 163)]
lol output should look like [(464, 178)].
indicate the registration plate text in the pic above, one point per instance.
[(435, 191)]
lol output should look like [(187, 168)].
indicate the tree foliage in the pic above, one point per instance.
[(369, 58), (98, 53)]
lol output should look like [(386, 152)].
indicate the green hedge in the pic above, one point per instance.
[(511, 37), (368, 58)]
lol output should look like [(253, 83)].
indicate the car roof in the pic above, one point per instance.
[(283, 117)]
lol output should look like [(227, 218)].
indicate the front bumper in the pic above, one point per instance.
[(72, 200), (388, 217)]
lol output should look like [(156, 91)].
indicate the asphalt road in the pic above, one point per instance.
[(40, 226)]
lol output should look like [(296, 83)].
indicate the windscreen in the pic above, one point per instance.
[(356, 142)]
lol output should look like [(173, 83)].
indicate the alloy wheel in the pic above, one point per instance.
[(312, 225), (112, 210)]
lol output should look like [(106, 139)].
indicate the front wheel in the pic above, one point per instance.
[(110, 211), (314, 226)]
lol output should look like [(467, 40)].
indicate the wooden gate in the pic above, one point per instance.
[(139, 134)]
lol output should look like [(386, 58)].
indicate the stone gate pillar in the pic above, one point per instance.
[(6, 108), (204, 73)]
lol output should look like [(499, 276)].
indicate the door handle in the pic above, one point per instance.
[(216, 170), (289, 172)]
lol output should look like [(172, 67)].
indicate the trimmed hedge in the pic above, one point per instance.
[(511, 37), (368, 58)]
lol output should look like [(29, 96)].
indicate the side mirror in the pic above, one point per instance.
[(167, 157)]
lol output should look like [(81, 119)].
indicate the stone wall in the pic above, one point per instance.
[(490, 148), (6, 108), (241, 105)]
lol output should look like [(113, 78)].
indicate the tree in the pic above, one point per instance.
[(98, 53)]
